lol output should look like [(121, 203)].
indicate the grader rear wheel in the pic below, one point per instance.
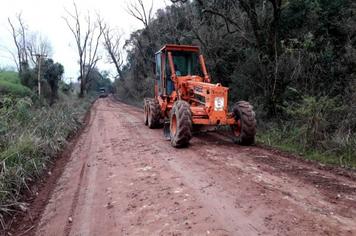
[(154, 114), (180, 124), (245, 130)]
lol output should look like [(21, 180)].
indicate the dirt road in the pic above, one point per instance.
[(125, 179)]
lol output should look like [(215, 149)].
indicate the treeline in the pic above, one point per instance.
[(25, 82), (37, 70), (294, 60)]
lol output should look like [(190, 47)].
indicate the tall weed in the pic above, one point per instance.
[(30, 137)]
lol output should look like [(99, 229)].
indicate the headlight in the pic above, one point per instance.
[(219, 104)]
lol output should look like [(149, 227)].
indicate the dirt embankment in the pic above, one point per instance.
[(125, 179)]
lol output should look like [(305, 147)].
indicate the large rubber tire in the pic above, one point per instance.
[(245, 131), (145, 110), (180, 124), (154, 114)]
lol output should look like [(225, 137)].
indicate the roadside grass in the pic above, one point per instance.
[(337, 152), (10, 76), (30, 138), (10, 84)]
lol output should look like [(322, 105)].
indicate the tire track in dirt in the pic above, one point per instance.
[(233, 221), (75, 201), (153, 166), (94, 192), (73, 173)]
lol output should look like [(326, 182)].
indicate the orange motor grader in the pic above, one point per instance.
[(185, 98)]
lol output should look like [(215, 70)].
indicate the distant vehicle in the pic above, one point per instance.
[(103, 93)]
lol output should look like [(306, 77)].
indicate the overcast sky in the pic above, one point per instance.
[(45, 16)]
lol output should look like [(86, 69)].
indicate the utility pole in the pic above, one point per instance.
[(39, 62)]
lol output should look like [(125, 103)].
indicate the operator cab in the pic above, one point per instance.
[(185, 63)]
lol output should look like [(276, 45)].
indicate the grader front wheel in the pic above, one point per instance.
[(145, 111), (153, 114), (245, 130), (180, 124)]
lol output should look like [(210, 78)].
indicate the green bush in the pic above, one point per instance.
[(316, 119), (17, 90), (10, 84), (321, 129)]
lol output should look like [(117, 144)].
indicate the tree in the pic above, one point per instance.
[(98, 80), (87, 38), (19, 36), (29, 45), (138, 10), (38, 44), (113, 47), (52, 73)]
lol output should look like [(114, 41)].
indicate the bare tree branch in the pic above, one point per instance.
[(138, 10), (87, 40), (38, 44), (112, 44), (19, 38)]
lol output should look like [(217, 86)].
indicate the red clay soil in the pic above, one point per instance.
[(125, 179)]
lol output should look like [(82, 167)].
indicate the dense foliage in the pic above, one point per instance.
[(50, 75), (53, 74), (294, 60)]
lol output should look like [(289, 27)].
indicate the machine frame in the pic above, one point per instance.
[(183, 102), (189, 86)]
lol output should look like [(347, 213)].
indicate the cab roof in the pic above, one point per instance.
[(176, 47)]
